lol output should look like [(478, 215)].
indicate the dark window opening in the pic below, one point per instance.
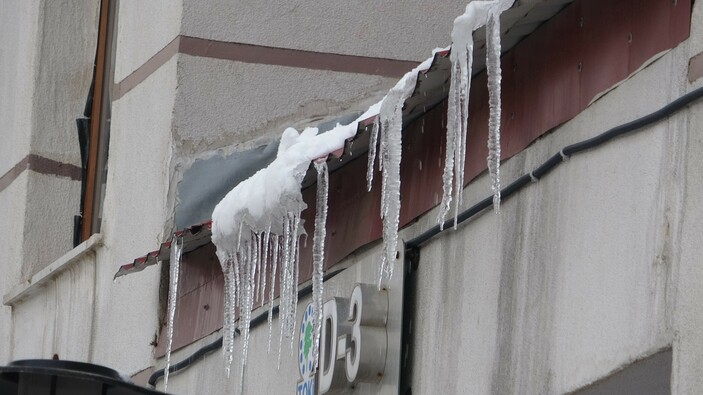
[(94, 130)]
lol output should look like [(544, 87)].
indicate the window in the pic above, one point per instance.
[(94, 131)]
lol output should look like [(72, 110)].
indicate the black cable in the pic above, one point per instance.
[(558, 158), (208, 348)]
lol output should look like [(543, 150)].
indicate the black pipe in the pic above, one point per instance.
[(558, 158), (208, 348)]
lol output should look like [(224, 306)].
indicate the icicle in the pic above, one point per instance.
[(175, 262), (477, 14), (494, 88), (389, 125), (295, 279), (249, 264), (228, 325), (373, 141), (264, 267), (284, 293), (274, 266), (257, 267), (391, 146), (318, 253)]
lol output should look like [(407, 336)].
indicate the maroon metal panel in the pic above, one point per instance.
[(422, 164), (200, 305), (554, 73), (198, 268), (603, 40)]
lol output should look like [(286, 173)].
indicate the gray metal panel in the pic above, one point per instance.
[(648, 376), (207, 181)]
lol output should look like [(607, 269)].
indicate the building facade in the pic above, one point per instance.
[(589, 273)]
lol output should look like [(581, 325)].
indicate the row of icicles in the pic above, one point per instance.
[(258, 254)]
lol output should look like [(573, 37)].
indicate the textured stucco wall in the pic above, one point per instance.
[(221, 103), (52, 201), (44, 80), (12, 212), (58, 320), (17, 57), (64, 61), (51, 80), (144, 28), (135, 213), (388, 29)]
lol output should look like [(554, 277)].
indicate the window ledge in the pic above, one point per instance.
[(33, 284)]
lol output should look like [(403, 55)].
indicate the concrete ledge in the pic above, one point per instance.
[(31, 286)]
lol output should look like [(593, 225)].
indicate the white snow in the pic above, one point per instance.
[(175, 262)]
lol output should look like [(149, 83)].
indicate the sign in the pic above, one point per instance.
[(305, 352), (360, 335)]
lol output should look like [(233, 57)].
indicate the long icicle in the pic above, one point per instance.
[(391, 135), (318, 253), (494, 88), (274, 266), (463, 128), (264, 266), (228, 325), (294, 283), (175, 261), (373, 142), (283, 297)]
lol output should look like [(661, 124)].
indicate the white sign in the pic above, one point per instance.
[(360, 336)]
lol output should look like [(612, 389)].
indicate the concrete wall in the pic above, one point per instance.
[(18, 20), (60, 319), (593, 267), (45, 72), (135, 213), (144, 29), (388, 29), (221, 104), (12, 212)]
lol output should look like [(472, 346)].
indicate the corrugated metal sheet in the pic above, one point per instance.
[(194, 237)]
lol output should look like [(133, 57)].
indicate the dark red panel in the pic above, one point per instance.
[(554, 73), (603, 40), (422, 164), (200, 306), (199, 267)]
